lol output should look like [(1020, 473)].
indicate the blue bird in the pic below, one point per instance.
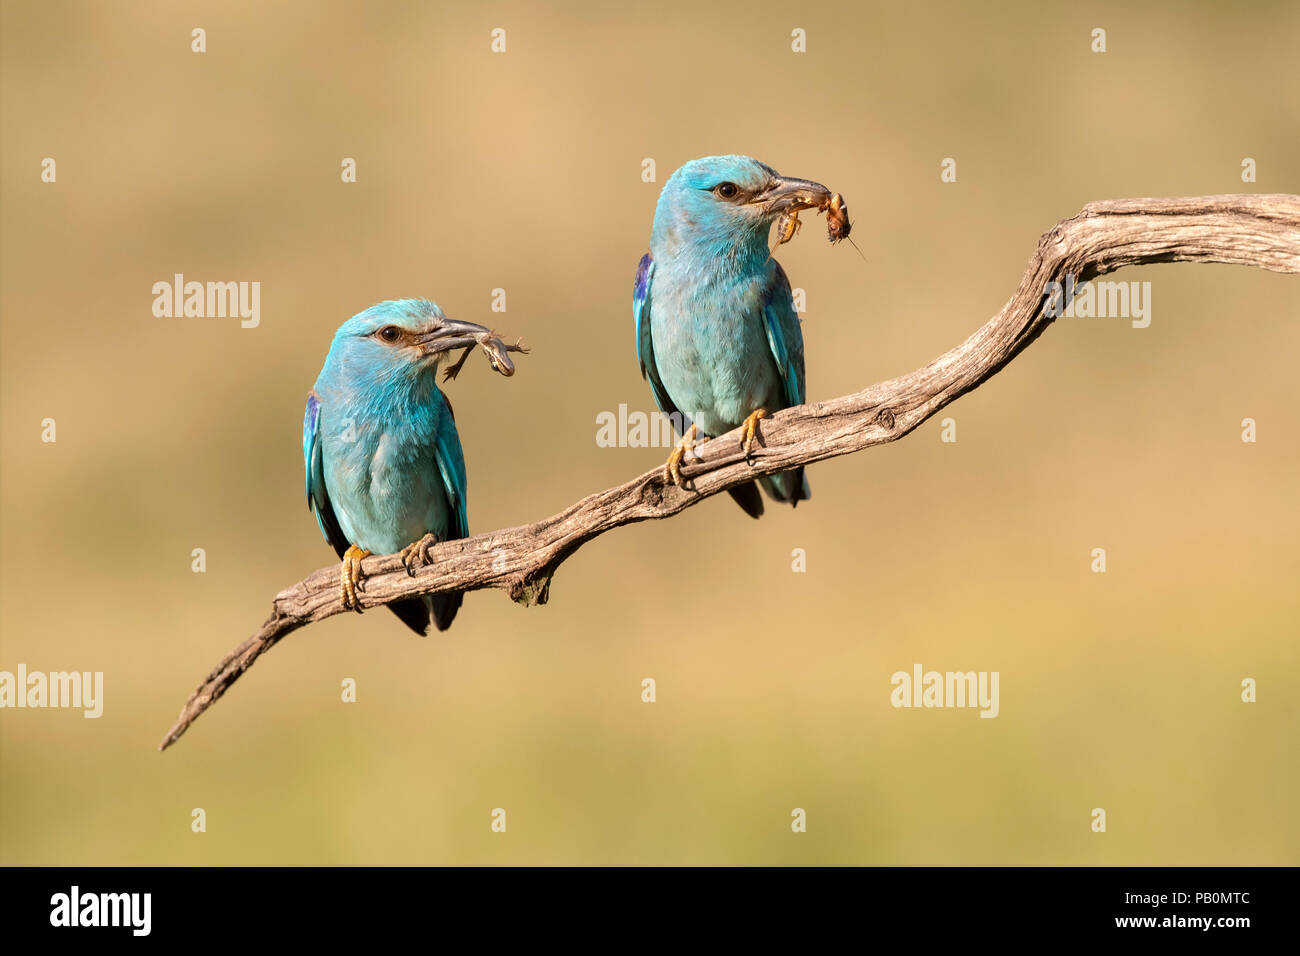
[(717, 334), (385, 470)]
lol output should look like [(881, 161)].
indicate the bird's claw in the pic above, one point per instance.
[(416, 554), (350, 578), (749, 431), (673, 467)]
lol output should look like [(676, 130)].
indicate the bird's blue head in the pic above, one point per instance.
[(723, 207), (392, 350)]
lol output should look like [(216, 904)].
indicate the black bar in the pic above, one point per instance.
[(960, 904)]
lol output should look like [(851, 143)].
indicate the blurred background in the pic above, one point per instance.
[(522, 171)]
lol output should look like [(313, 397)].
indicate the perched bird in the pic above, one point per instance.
[(717, 334), (385, 471)]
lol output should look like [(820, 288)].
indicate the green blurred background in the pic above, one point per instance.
[(522, 171)]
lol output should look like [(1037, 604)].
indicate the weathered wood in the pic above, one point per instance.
[(1253, 230)]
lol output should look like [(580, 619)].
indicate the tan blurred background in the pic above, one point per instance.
[(522, 171)]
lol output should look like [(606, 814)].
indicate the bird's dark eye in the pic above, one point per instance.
[(390, 333), (727, 190)]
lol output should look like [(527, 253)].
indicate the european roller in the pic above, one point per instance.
[(385, 470), (717, 334)]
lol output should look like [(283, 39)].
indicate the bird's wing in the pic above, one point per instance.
[(317, 496), (785, 339), (450, 460), (784, 336), (645, 351)]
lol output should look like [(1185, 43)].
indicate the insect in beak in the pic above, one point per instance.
[(452, 334), (837, 219), (497, 353), (838, 225), (786, 227)]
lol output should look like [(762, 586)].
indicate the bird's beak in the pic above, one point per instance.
[(786, 195), (452, 334)]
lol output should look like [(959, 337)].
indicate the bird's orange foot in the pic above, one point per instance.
[(749, 430), (673, 468), (416, 554), (350, 578)]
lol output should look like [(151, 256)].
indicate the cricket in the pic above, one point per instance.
[(838, 225)]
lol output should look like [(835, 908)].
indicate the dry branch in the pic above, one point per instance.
[(1252, 230)]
